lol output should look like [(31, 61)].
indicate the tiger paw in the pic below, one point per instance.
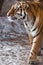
[(33, 63)]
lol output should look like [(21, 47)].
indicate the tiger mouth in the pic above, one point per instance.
[(16, 17)]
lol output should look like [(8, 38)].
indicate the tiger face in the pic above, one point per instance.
[(22, 10)]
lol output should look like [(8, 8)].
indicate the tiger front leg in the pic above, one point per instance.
[(30, 39), (35, 48)]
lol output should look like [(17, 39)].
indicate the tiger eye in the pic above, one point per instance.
[(26, 6)]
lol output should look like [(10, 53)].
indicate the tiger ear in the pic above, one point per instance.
[(36, 0), (11, 11)]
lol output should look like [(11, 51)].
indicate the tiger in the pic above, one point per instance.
[(31, 14)]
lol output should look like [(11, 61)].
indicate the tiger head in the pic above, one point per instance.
[(20, 10)]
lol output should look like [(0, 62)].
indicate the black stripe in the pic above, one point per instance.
[(34, 18), (34, 52), (24, 15), (35, 7), (38, 33), (21, 12), (36, 28), (40, 6)]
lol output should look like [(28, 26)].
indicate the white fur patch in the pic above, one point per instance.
[(34, 32), (9, 18), (22, 13)]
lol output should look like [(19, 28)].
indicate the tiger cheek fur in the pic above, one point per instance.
[(35, 9)]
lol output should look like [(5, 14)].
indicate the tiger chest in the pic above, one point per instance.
[(29, 26)]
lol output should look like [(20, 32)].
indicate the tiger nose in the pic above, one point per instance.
[(20, 14)]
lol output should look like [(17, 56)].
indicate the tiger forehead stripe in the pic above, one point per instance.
[(16, 6)]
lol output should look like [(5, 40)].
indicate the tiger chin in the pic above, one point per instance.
[(32, 15)]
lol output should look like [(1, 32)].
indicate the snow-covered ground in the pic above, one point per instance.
[(14, 47), (14, 43)]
